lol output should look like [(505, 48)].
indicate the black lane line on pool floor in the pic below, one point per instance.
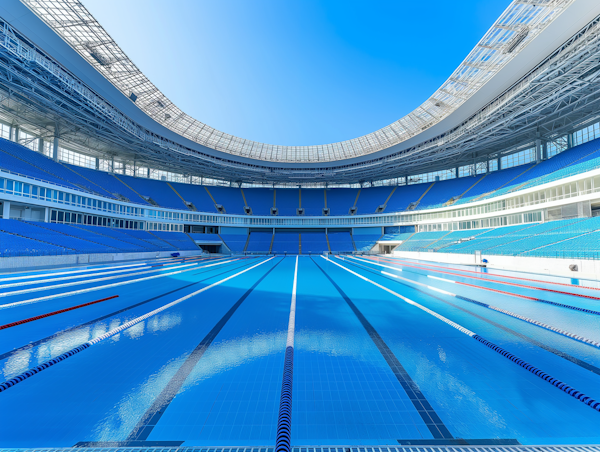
[(99, 319), (433, 422), (532, 341), (146, 424)]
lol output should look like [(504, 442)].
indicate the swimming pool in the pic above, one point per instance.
[(382, 351)]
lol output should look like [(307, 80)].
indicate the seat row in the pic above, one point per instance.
[(293, 202)]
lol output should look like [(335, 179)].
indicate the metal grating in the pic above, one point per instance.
[(424, 448), (521, 22)]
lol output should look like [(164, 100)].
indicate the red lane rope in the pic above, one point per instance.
[(49, 314), (504, 276), (497, 291), (493, 280)]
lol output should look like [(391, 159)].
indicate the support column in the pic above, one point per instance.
[(569, 141), (538, 150), (544, 150), (6, 210), (41, 145), (16, 133), (499, 160), (46, 214), (148, 173), (112, 164), (97, 162), (55, 149)]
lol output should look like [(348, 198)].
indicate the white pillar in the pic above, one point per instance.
[(41, 145), (46, 214), (55, 149), (6, 210)]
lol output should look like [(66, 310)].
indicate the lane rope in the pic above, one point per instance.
[(543, 346), (90, 281), (132, 271), (503, 276), (18, 278), (50, 314), (35, 370), (494, 308), (591, 297), (541, 300), (534, 370), (106, 286), (46, 339), (284, 420)]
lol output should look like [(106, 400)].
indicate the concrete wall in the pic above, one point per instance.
[(587, 269), (82, 259)]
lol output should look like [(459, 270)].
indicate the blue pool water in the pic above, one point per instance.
[(384, 354)]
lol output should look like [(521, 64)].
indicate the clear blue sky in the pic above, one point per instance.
[(297, 72)]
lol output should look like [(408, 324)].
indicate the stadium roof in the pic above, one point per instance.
[(522, 21), (534, 77)]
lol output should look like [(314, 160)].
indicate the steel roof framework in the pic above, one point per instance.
[(521, 22), (555, 97)]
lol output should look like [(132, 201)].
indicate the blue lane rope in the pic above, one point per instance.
[(31, 372), (534, 370), (284, 421), (543, 375)]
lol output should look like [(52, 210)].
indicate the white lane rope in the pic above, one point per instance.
[(284, 419), (407, 300), (90, 281), (45, 275), (595, 405), (554, 329), (107, 286), (292, 320), (25, 375), (66, 278)]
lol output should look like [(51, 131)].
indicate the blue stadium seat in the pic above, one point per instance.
[(260, 200), (421, 240), (235, 242), (15, 165), (444, 191), (286, 242), (259, 242), (313, 242), (58, 172), (158, 191), (404, 196), (371, 198), (109, 182), (178, 240), (365, 242), (12, 245), (230, 198), (157, 243), (313, 201), (340, 200), (197, 195), (287, 201), (340, 241)]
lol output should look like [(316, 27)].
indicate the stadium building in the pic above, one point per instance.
[(432, 284)]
